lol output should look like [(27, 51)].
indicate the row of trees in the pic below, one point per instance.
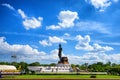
[(109, 67)]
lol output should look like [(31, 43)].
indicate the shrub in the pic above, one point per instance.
[(93, 76)]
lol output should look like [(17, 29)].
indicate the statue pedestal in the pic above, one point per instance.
[(64, 60)]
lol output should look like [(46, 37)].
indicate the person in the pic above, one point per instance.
[(60, 52), (0, 73)]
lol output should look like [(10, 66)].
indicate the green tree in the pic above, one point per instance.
[(97, 67), (24, 67), (4, 63), (52, 64), (73, 67), (34, 64), (84, 66), (114, 64)]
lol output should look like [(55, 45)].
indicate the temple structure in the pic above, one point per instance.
[(63, 60), (62, 65)]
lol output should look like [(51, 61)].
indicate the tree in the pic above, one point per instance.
[(73, 67), (84, 66), (24, 67), (115, 70), (34, 64), (100, 63), (114, 64), (4, 63), (52, 64), (108, 63), (97, 67)]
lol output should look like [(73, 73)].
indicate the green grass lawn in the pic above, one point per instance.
[(60, 76)]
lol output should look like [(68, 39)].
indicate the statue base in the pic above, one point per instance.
[(64, 60)]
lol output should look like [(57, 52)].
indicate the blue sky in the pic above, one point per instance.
[(87, 29)]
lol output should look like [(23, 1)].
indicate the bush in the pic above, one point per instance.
[(32, 72), (93, 76)]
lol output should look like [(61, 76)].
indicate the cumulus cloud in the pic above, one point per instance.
[(16, 48), (84, 44), (53, 39), (26, 52), (99, 48), (101, 5), (92, 26), (53, 56), (66, 19), (8, 6), (30, 22), (115, 57), (45, 43), (93, 58)]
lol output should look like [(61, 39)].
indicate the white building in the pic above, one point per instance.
[(58, 68), (8, 69)]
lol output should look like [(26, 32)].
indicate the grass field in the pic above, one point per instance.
[(58, 76)]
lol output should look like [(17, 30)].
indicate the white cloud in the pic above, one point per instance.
[(30, 22), (84, 44), (53, 39), (45, 43), (28, 54), (66, 18), (101, 5), (16, 48), (92, 26), (98, 48), (8, 6), (66, 35), (53, 55), (53, 27), (22, 13), (93, 58), (115, 57)]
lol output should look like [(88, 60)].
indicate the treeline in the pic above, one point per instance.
[(26, 64), (110, 68)]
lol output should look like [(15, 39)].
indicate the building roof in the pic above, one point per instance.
[(7, 67)]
